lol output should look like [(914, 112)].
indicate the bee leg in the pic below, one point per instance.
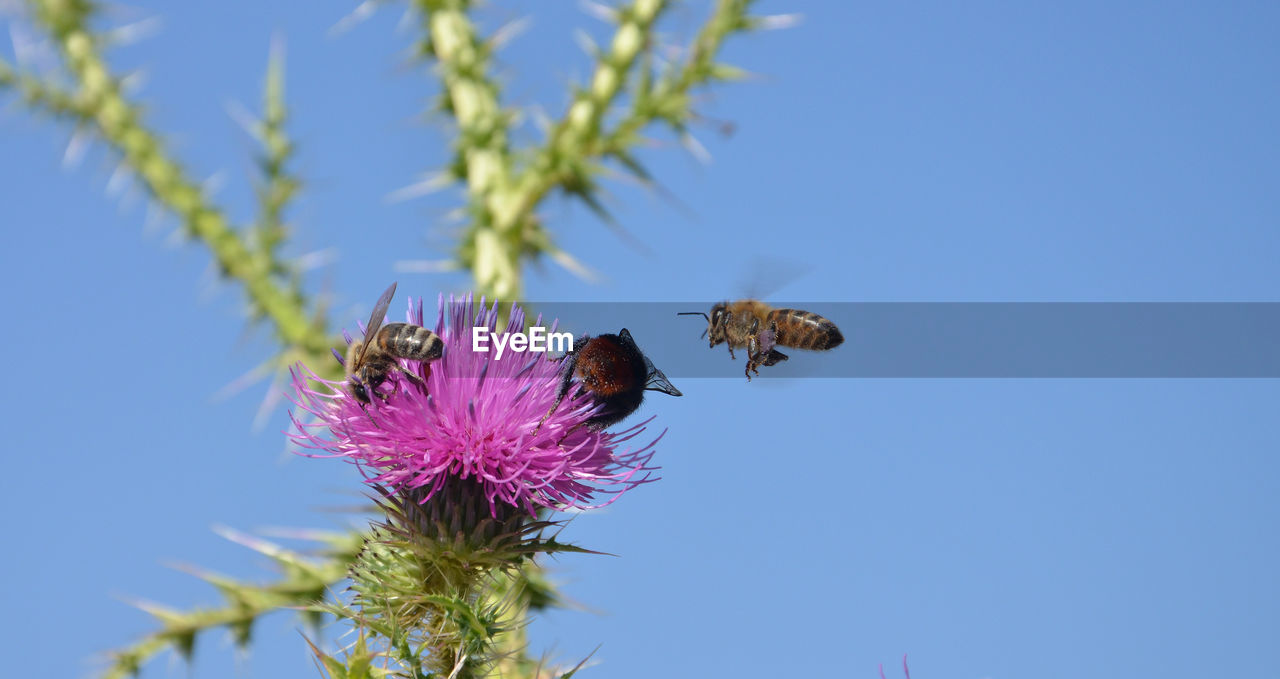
[(761, 352), (773, 357), (566, 379), (383, 396), (412, 377), (571, 430), (753, 357)]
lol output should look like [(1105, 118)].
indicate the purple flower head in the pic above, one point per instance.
[(472, 421)]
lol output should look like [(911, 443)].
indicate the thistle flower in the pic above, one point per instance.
[(475, 425)]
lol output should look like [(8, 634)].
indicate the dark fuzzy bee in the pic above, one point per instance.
[(370, 362), (755, 326), (615, 372)]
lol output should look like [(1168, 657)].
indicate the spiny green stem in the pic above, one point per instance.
[(279, 184), (582, 123), (472, 94), (668, 98), (504, 227), (42, 96), (572, 138), (303, 583), (504, 197), (119, 123), (490, 250), (528, 591)]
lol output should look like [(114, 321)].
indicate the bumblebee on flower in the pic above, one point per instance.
[(473, 418)]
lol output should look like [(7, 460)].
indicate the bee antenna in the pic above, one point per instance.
[(696, 313)]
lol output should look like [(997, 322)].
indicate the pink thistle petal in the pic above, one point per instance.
[(475, 421)]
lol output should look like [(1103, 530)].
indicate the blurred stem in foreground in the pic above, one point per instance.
[(278, 185), (303, 581), (99, 103), (505, 186)]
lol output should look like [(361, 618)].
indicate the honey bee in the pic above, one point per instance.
[(757, 327), (615, 372), (370, 361)]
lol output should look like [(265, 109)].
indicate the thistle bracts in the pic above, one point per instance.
[(440, 580)]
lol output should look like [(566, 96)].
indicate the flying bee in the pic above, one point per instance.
[(371, 360), (757, 327), (615, 372)]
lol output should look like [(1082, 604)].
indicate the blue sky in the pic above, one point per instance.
[(893, 152)]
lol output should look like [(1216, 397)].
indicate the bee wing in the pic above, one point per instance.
[(625, 337), (654, 379), (769, 274), (375, 322)]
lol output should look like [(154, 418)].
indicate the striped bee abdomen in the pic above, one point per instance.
[(805, 330), (410, 341)]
